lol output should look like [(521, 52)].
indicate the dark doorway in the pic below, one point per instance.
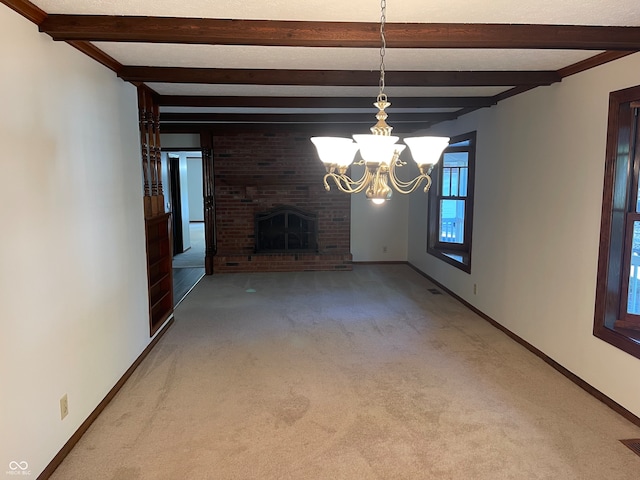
[(176, 205)]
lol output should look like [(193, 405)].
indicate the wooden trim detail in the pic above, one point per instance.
[(337, 34), (609, 402), (66, 449), (247, 76), (321, 102), (27, 9), (149, 123), (208, 191), (311, 117), (617, 171), (311, 129)]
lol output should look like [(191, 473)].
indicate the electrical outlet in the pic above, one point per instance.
[(384, 249), (475, 289), (64, 407)]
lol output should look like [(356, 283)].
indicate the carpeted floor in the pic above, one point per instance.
[(194, 256), (346, 375), (188, 267)]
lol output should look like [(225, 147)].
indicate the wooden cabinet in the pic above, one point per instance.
[(159, 269)]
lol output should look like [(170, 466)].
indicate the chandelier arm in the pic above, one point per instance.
[(360, 184), (402, 184), (397, 182), (397, 162), (346, 184), (366, 174), (343, 178), (410, 186)]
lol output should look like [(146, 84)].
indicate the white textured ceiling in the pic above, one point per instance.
[(305, 91), (553, 12), (567, 12), (235, 56)]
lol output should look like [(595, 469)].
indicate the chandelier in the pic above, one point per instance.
[(379, 151)]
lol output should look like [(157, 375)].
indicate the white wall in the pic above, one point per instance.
[(376, 228), (73, 284), (184, 201), (196, 195), (539, 178), (186, 141)]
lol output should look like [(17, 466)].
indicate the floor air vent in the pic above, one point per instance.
[(633, 444), (435, 291)]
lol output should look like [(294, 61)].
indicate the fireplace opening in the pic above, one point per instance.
[(286, 229)]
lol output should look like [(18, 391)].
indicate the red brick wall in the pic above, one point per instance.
[(255, 172)]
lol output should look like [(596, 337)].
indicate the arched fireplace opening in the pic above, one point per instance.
[(286, 229)]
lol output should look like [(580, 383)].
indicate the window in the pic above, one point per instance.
[(451, 203), (617, 310)]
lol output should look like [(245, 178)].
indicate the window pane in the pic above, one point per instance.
[(446, 181), (464, 180), (455, 181), (456, 159), (451, 222), (464, 143), (455, 174), (633, 299)]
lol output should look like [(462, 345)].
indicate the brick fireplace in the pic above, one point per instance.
[(262, 172)]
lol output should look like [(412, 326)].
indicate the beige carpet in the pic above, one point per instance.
[(194, 256), (347, 375)]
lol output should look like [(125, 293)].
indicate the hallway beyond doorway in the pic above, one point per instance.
[(188, 267)]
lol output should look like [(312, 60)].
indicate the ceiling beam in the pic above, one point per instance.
[(320, 102), (369, 118), (27, 9), (337, 34), (307, 129), (335, 77), (592, 62), (98, 55)]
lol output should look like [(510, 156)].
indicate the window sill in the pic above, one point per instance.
[(460, 260), (625, 339)]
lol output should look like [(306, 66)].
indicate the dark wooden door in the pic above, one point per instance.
[(176, 205)]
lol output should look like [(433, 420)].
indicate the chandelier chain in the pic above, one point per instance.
[(383, 18)]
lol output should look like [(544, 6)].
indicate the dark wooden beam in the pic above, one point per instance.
[(578, 67), (305, 117), (97, 54), (513, 92), (592, 62), (321, 102), (307, 129), (36, 15), (335, 77), (338, 34), (27, 9)]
